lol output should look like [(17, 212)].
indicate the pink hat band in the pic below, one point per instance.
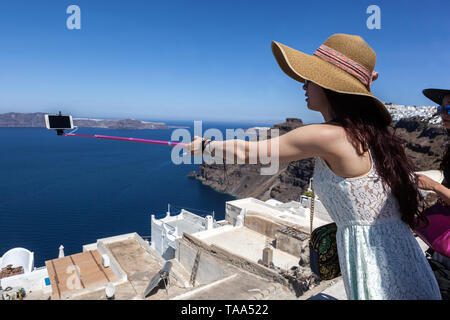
[(348, 65)]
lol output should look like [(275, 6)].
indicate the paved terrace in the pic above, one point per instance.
[(249, 244), (139, 262), (134, 262), (139, 265), (240, 285)]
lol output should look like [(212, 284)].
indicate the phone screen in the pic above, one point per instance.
[(59, 122)]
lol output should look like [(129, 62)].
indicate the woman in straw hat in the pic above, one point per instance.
[(362, 175)]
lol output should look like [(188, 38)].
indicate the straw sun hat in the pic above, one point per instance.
[(436, 95), (343, 63)]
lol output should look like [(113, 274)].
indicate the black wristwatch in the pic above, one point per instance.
[(204, 143)]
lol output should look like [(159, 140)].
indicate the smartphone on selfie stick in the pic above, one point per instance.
[(58, 123), (61, 123)]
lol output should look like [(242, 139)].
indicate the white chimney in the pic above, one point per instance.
[(110, 291), (105, 260), (209, 222), (61, 251)]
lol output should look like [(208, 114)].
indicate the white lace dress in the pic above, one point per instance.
[(378, 254)]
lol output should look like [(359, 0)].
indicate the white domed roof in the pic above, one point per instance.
[(18, 257)]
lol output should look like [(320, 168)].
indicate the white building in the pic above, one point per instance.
[(31, 279), (167, 230), (427, 113)]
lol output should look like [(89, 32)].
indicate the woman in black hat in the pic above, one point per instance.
[(436, 232), (441, 97)]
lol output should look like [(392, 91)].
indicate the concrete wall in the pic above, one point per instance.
[(89, 247), (157, 236), (208, 269), (231, 212), (113, 264), (226, 257), (261, 225), (163, 237), (290, 244), (31, 281)]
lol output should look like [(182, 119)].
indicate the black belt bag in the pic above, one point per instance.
[(323, 254)]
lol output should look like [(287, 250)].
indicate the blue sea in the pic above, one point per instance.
[(72, 191)]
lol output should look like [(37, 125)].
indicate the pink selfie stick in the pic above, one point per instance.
[(167, 143)]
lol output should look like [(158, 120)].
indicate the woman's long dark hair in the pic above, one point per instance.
[(364, 126)]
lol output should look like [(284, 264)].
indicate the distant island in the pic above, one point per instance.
[(36, 120)]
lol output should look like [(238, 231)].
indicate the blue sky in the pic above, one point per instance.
[(204, 60)]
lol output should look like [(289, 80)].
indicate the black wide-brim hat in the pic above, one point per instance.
[(436, 95)]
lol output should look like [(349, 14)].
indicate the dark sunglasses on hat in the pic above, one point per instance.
[(440, 108)]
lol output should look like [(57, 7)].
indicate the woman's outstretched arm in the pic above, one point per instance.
[(301, 143)]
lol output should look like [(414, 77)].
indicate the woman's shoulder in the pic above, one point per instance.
[(339, 144), (325, 138), (327, 127), (328, 131)]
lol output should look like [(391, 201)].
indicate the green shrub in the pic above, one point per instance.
[(308, 194)]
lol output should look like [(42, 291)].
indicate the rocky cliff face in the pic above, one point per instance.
[(246, 181), (424, 143)]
